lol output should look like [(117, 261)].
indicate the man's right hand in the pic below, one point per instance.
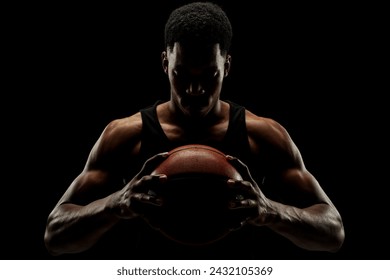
[(140, 195)]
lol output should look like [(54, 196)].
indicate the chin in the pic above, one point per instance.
[(196, 112), (196, 109)]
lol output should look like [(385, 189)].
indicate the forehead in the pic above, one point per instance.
[(195, 57)]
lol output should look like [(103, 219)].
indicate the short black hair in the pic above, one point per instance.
[(199, 24)]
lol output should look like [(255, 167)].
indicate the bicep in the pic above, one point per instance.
[(298, 187), (90, 185), (286, 178), (104, 170)]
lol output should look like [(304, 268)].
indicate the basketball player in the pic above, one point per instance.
[(289, 212)]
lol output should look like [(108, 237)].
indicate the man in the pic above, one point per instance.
[(104, 209)]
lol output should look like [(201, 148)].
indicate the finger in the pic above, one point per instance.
[(243, 204), (149, 181), (241, 189), (241, 167), (151, 163), (147, 199), (236, 226)]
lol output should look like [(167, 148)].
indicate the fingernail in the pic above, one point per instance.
[(158, 201), (152, 193), (230, 181), (163, 178)]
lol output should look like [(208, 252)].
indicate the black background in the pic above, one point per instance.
[(71, 68)]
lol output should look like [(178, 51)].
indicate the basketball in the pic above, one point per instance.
[(196, 195)]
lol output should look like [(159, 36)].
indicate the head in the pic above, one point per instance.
[(196, 56)]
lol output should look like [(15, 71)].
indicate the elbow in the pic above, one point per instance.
[(338, 239), (52, 246), (52, 236)]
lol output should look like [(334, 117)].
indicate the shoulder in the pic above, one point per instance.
[(121, 137), (266, 129), (266, 135), (123, 129)]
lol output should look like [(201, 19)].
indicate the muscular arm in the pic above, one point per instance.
[(89, 207), (315, 227), (72, 227), (304, 214)]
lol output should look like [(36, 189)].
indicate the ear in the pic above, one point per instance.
[(164, 61), (227, 65)]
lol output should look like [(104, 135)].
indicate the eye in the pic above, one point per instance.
[(205, 76), (179, 74), (181, 77), (211, 75)]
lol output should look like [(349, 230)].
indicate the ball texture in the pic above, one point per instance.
[(197, 159), (196, 195)]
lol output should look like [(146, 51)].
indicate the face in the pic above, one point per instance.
[(196, 78)]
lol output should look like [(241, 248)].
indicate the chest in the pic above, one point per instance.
[(196, 133)]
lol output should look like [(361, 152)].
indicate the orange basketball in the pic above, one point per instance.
[(197, 159), (196, 195)]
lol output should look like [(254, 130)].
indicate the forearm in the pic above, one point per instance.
[(72, 228), (318, 227)]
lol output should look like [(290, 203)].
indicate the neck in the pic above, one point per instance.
[(214, 116), (177, 127)]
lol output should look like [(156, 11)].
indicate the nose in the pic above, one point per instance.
[(195, 89)]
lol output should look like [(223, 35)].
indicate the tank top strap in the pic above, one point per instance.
[(236, 141), (153, 139)]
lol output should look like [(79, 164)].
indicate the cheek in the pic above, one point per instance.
[(172, 79), (177, 90), (215, 87), (176, 86)]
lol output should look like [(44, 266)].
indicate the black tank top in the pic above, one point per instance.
[(234, 143)]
